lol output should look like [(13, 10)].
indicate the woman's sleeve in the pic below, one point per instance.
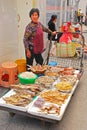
[(27, 34), (46, 29)]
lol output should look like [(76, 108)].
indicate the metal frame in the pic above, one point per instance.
[(74, 62)]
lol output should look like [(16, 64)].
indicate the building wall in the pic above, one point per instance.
[(8, 31), (82, 5), (14, 16), (23, 8)]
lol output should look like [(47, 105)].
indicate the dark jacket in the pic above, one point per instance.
[(51, 26)]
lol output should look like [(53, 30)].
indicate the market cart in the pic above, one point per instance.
[(76, 62), (56, 101)]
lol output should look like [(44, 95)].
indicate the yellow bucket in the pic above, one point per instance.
[(21, 64)]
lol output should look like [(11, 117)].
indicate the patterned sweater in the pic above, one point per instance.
[(30, 32)]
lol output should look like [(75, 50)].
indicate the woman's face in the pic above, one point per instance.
[(34, 17), (55, 20)]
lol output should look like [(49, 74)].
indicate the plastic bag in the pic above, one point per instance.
[(53, 50), (66, 38)]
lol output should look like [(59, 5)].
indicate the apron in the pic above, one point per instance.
[(38, 40)]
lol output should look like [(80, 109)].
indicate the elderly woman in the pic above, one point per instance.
[(33, 38)]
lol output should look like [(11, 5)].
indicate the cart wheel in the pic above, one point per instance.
[(11, 114)]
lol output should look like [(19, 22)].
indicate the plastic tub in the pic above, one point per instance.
[(52, 63), (21, 64), (26, 80)]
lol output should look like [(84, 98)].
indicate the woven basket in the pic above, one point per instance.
[(65, 50)]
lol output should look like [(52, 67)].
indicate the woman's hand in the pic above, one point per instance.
[(54, 33), (28, 53)]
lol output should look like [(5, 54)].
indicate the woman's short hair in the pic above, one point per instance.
[(33, 10)]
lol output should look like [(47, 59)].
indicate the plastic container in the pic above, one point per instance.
[(52, 63), (23, 80), (21, 64)]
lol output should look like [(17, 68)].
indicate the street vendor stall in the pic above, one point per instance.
[(49, 95)]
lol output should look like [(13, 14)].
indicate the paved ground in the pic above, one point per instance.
[(75, 117)]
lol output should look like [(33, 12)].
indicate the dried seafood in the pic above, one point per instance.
[(35, 88), (45, 80), (64, 86), (50, 73), (50, 109), (54, 96), (21, 99), (69, 78), (38, 69)]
